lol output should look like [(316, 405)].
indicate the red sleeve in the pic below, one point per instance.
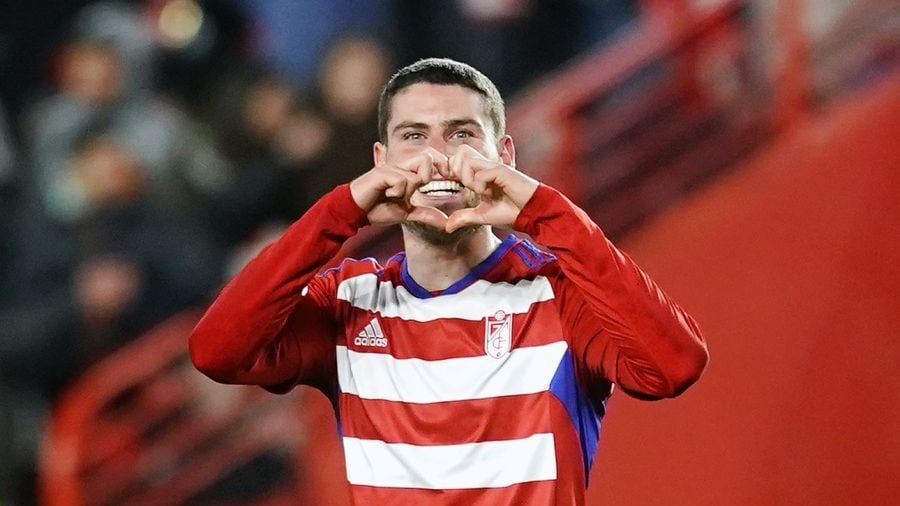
[(622, 327), (274, 323)]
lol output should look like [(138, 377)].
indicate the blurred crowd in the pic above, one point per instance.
[(148, 147)]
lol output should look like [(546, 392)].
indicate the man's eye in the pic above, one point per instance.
[(462, 134), (413, 136)]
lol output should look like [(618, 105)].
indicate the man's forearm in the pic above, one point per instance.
[(657, 347), (252, 309)]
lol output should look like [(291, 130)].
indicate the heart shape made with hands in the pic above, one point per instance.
[(502, 191), (488, 212)]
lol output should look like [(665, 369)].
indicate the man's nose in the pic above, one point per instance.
[(439, 144)]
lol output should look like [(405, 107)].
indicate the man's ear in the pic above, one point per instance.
[(507, 150), (379, 153)]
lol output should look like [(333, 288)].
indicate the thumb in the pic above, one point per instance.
[(429, 216), (463, 218)]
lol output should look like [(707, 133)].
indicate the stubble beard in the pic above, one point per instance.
[(437, 236)]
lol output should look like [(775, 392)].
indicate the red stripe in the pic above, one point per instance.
[(537, 493), (452, 337), (469, 421), (523, 494)]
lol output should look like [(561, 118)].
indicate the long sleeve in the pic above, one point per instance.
[(623, 327), (273, 324)]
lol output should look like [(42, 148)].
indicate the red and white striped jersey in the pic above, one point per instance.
[(469, 395), (488, 392)]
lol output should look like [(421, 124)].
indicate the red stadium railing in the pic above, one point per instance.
[(142, 427), (627, 129), (686, 93)]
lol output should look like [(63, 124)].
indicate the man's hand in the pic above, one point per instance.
[(503, 190), (384, 191)]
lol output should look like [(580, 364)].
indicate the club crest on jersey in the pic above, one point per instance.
[(498, 334)]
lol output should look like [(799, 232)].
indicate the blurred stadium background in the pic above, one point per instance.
[(744, 152)]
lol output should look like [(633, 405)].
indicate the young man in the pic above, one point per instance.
[(468, 369)]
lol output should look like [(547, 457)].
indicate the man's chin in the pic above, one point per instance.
[(438, 236)]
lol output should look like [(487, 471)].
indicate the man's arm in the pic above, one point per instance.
[(264, 328), (625, 328), (274, 323)]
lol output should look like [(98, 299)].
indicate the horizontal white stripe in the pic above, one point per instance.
[(490, 464), (381, 376), (476, 301)]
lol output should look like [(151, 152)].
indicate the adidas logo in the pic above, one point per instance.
[(371, 335)]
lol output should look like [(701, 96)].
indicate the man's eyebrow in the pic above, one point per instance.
[(410, 124), (460, 122)]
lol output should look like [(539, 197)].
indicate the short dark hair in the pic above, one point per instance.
[(442, 71)]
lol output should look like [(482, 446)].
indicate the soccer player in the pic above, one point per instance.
[(469, 369)]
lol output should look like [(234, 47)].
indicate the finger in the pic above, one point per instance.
[(396, 182), (464, 218), (400, 182), (506, 182), (440, 162), (467, 151), (425, 164), (460, 170), (396, 191), (413, 163), (425, 169), (429, 216), (418, 170), (484, 172), (413, 183)]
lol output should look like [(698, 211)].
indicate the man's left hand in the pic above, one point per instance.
[(504, 191)]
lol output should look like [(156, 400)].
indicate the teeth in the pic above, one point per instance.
[(441, 186)]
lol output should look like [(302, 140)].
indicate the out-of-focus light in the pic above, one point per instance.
[(179, 23)]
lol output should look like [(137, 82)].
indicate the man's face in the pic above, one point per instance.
[(442, 117)]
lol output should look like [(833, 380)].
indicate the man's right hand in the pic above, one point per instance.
[(384, 191)]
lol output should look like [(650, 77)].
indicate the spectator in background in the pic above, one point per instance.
[(93, 92), (514, 40), (247, 112), (350, 77), (297, 53), (340, 120), (118, 264), (91, 280), (300, 147)]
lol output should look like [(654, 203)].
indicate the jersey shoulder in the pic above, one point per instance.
[(350, 268), (529, 259)]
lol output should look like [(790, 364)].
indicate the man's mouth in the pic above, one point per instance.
[(441, 188)]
